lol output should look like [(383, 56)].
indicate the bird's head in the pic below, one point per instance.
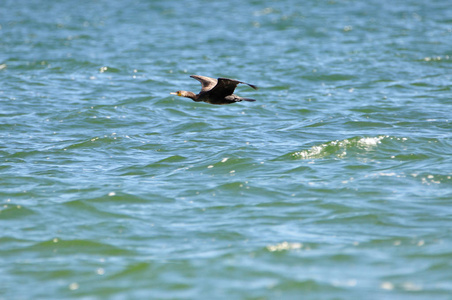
[(186, 94), (178, 93)]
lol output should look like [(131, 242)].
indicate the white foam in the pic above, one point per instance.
[(370, 141), (317, 151)]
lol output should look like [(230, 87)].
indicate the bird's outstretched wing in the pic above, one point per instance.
[(206, 82), (226, 87)]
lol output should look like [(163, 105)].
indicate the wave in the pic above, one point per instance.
[(339, 148)]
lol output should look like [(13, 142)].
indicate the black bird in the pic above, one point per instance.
[(215, 91)]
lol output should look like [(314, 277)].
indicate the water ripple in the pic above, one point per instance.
[(335, 183)]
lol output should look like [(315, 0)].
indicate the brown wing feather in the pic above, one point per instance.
[(206, 82), (226, 87)]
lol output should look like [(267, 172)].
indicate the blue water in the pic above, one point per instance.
[(335, 184)]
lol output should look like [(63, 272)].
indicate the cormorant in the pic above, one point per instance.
[(215, 91)]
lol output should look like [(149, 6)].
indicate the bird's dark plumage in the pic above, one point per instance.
[(216, 91)]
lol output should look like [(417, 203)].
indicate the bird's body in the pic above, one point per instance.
[(215, 91)]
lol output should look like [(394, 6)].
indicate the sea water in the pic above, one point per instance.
[(335, 184)]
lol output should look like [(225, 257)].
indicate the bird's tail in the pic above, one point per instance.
[(249, 99)]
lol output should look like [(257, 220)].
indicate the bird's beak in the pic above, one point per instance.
[(173, 93)]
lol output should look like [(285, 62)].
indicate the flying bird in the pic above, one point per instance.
[(215, 91)]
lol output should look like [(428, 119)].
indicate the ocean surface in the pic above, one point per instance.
[(335, 184)]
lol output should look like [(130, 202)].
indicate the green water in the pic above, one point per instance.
[(335, 184)]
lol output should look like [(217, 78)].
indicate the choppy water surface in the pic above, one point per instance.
[(335, 184)]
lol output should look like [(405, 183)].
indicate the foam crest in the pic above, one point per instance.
[(339, 148)]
